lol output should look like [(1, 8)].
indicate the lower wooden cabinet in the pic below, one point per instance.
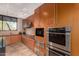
[(10, 39), (28, 42), (40, 46), (37, 46)]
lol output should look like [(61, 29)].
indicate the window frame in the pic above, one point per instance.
[(10, 19)]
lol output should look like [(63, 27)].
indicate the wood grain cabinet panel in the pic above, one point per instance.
[(28, 42), (8, 40), (12, 39), (31, 44), (46, 15), (44, 18)]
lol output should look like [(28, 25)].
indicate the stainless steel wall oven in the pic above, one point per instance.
[(59, 40)]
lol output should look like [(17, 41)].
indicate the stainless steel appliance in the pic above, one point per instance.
[(59, 41), (40, 32)]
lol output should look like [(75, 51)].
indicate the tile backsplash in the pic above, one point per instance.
[(30, 31)]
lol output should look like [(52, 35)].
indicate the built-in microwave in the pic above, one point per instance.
[(39, 32), (60, 38)]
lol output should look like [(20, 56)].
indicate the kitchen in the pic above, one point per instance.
[(39, 29)]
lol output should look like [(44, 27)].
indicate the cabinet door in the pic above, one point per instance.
[(15, 38), (45, 16), (31, 44), (24, 40), (28, 42), (37, 19), (8, 40), (40, 46), (12, 39)]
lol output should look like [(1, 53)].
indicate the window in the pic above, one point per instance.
[(8, 23)]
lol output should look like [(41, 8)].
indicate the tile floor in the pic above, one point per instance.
[(18, 49)]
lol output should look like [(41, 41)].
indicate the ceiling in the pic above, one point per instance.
[(19, 10)]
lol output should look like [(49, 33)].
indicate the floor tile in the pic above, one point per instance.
[(19, 49)]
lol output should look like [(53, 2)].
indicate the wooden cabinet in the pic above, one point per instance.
[(40, 46), (28, 22), (28, 42), (45, 15), (44, 18), (68, 15), (36, 20), (10, 39), (31, 43)]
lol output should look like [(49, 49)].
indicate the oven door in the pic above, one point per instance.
[(60, 40)]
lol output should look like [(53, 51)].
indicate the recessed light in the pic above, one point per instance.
[(45, 13)]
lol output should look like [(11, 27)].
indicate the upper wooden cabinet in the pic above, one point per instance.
[(47, 11), (28, 22), (45, 15)]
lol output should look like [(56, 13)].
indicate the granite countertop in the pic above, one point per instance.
[(9, 34)]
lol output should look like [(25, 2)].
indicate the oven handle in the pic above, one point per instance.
[(55, 53), (58, 52)]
